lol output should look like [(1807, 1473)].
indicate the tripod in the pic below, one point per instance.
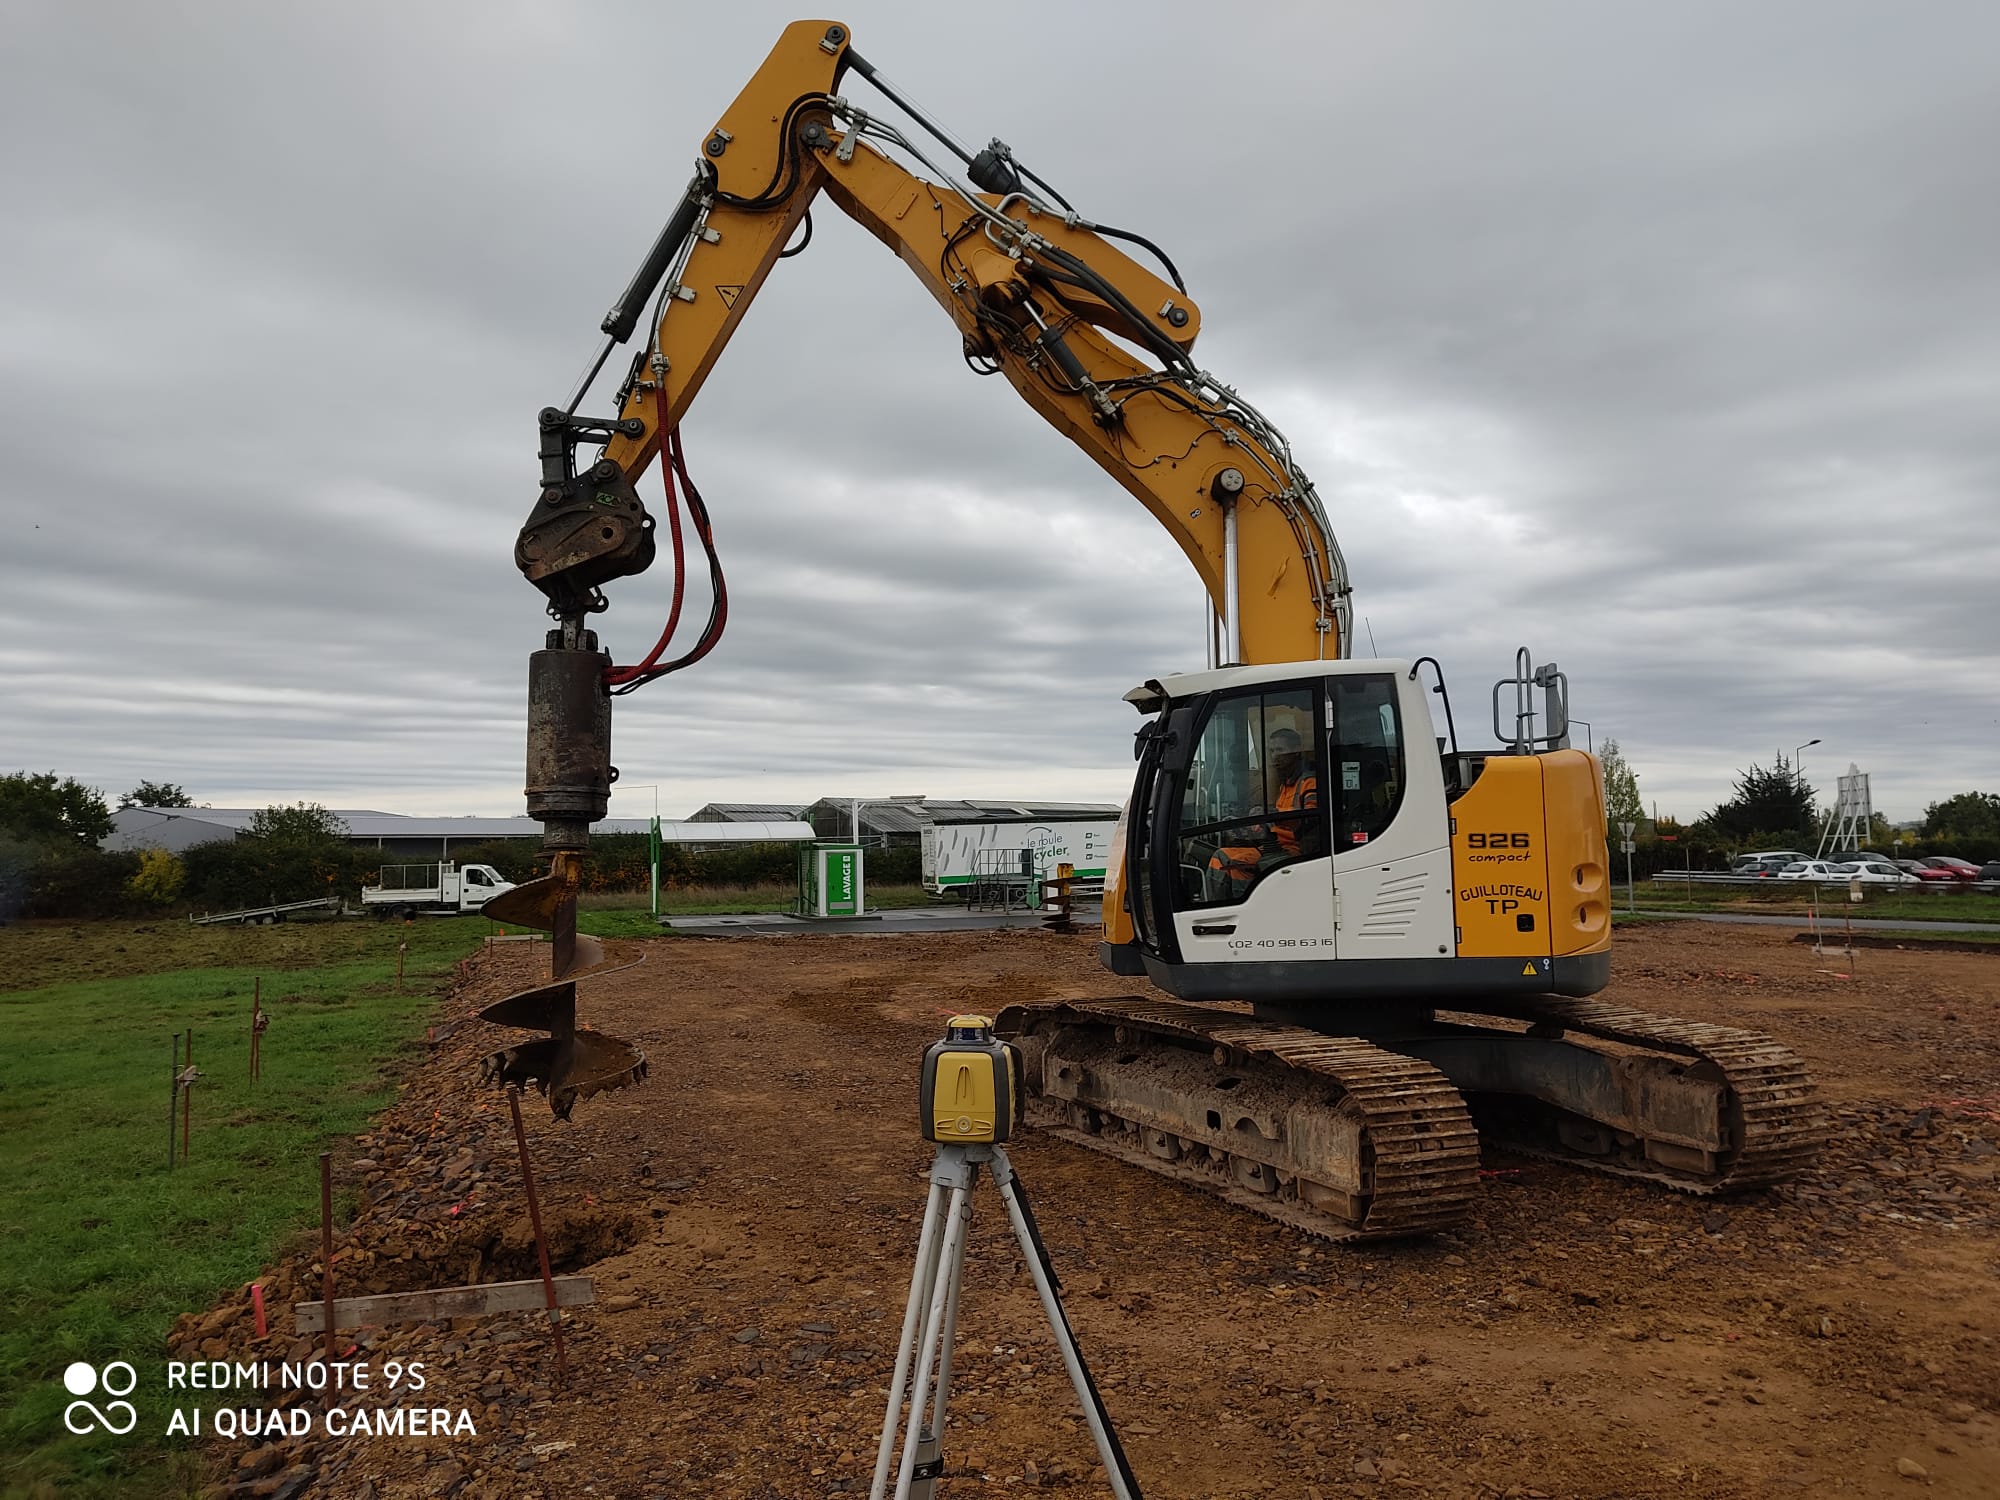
[(934, 1293)]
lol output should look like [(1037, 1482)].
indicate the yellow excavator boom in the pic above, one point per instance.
[(1038, 296)]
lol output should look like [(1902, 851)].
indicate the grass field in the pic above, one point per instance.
[(1793, 898), (100, 1247)]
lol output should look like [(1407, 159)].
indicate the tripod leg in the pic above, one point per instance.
[(1123, 1485), (930, 1450), (957, 1216), (921, 1279)]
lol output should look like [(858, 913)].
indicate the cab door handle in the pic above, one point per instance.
[(1210, 930)]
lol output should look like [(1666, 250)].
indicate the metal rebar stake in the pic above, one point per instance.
[(934, 1296), (326, 1246), (541, 1242)]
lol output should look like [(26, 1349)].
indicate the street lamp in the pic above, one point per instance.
[(1799, 761), (1799, 781)]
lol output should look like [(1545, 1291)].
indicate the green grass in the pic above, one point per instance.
[(1794, 898), (629, 913), (100, 1246)]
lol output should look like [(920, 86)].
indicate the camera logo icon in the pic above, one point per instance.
[(116, 1379)]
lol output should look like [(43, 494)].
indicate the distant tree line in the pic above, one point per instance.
[(1775, 807), (51, 865)]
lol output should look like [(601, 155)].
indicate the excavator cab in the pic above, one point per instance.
[(1299, 838)]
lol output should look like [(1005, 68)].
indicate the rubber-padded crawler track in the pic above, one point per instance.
[(1777, 1120), (1420, 1136)]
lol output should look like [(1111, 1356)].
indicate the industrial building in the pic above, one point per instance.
[(177, 828), (747, 812), (899, 822)]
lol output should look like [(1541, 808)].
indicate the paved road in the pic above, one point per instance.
[(1828, 920), (957, 919), (901, 920)]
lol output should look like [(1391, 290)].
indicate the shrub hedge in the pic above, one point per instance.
[(227, 874)]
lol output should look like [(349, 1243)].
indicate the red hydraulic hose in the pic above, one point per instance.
[(619, 675), (719, 615)]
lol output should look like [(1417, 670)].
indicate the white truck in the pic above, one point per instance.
[(405, 890), (953, 853)]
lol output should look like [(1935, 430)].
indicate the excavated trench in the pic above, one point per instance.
[(493, 1249)]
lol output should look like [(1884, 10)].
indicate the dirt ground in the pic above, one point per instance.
[(1581, 1337)]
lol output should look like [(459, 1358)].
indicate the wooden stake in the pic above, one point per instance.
[(173, 1096)]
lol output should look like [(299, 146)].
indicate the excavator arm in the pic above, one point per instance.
[(1096, 343)]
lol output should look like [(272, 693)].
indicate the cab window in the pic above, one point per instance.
[(1250, 801), (1365, 757)]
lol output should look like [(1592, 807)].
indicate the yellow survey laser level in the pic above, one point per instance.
[(971, 1086)]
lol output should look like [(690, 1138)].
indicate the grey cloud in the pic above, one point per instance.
[(1664, 339)]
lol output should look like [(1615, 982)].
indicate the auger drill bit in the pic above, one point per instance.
[(567, 1065), (569, 788)]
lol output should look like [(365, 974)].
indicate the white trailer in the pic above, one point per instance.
[(951, 850), (405, 890)]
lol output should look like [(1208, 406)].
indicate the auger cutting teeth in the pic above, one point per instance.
[(569, 1064)]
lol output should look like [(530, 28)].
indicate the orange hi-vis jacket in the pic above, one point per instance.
[(1295, 796), (1239, 862)]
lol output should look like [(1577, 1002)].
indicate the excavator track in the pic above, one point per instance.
[(1773, 1122), (1332, 1135), (1351, 1138)]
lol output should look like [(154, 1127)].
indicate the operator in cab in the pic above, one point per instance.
[(1296, 790)]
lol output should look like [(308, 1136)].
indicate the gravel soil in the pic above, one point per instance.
[(750, 1216)]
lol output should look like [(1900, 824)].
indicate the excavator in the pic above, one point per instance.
[(1372, 948)]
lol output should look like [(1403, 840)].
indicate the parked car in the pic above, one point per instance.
[(1989, 874), (1786, 854), (1907, 866), (1877, 872), (1765, 861), (1814, 869), (1761, 865), (1947, 867)]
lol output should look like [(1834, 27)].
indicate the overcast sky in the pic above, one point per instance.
[(1662, 339)]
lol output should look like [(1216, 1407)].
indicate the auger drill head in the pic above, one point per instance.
[(569, 1064)]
